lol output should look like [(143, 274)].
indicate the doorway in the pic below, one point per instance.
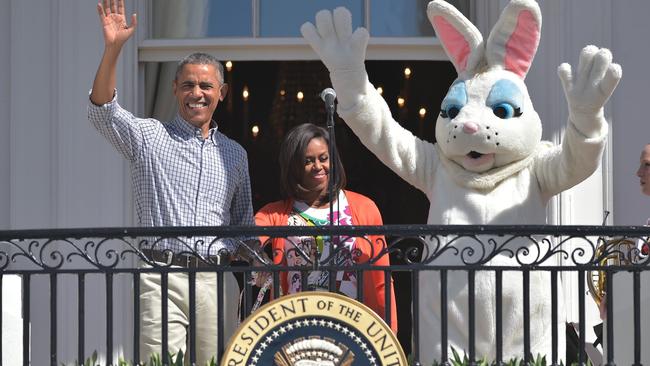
[(267, 98)]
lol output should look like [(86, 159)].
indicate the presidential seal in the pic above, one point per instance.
[(314, 329)]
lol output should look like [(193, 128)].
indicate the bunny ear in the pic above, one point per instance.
[(462, 42), (514, 39)]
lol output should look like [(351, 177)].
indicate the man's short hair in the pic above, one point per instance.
[(200, 58)]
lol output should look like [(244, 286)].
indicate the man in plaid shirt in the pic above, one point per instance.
[(184, 173)]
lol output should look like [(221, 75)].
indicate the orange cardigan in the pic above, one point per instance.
[(364, 212)]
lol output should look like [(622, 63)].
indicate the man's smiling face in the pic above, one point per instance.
[(198, 90)]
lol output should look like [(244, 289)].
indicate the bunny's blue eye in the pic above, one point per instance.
[(450, 111), (505, 99), (454, 101), (505, 110)]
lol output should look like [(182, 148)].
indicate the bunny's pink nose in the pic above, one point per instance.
[(470, 128)]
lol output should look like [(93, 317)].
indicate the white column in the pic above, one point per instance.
[(11, 312), (631, 127), (5, 90), (60, 171), (12, 322)]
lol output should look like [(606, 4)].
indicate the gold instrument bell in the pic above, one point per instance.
[(620, 252)]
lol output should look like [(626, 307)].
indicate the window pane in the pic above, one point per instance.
[(230, 18), (390, 18), (204, 18), (283, 18)]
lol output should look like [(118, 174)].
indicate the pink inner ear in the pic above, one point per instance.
[(522, 45), (456, 45)]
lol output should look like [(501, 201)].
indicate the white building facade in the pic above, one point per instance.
[(58, 172)]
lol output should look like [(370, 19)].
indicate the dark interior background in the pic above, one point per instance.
[(273, 107)]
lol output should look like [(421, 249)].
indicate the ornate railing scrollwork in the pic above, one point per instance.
[(468, 246)]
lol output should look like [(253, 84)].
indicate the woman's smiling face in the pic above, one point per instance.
[(317, 165)]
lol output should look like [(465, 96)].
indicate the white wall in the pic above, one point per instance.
[(632, 123), (56, 171), (11, 318), (564, 33), (631, 131), (5, 87)]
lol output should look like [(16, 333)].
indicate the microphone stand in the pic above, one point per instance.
[(329, 97), (332, 152)]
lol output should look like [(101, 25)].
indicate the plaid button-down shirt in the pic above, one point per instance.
[(179, 178)]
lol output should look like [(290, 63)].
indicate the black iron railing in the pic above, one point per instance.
[(74, 255)]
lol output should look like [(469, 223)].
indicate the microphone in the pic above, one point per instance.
[(328, 96)]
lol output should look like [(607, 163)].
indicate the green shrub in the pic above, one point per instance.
[(154, 360), (456, 360)]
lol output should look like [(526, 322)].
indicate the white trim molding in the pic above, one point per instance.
[(279, 49)]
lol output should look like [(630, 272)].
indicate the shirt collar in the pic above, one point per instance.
[(188, 130)]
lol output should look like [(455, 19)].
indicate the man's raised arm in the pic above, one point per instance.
[(116, 33)]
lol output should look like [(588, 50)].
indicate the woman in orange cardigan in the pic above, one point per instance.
[(304, 171)]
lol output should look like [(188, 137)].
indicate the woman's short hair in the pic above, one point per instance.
[(292, 160)]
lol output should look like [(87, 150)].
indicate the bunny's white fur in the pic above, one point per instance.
[(509, 178)]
